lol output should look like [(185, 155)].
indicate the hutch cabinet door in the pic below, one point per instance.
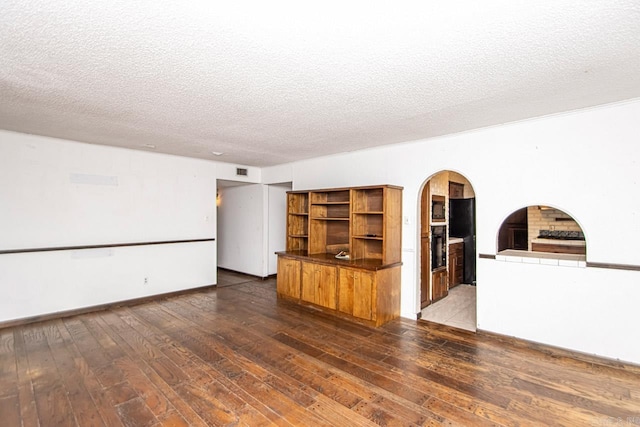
[(319, 283), (355, 292), (345, 290), (362, 294), (288, 279), (309, 282), (327, 287)]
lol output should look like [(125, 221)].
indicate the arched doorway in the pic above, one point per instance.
[(447, 250)]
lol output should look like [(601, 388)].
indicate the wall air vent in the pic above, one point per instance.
[(242, 172)]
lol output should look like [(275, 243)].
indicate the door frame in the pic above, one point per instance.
[(425, 245)]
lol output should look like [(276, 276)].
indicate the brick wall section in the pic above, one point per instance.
[(546, 219), (440, 184)]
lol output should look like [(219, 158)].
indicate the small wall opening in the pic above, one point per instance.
[(541, 229)]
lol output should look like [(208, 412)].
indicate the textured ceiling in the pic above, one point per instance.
[(271, 82)]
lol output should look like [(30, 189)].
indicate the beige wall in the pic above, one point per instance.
[(546, 218)]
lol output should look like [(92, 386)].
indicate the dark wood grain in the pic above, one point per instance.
[(101, 246), (237, 355)]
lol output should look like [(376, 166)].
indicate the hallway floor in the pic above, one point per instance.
[(230, 277), (458, 309)]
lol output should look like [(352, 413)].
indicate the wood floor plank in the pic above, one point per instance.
[(450, 382), (53, 407), (278, 402), (146, 389), (236, 355), (424, 413), (8, 366), (148, 384), (246, 410), (26, 396), (260, 350), (107, 346), (212, 410), (248, 389), (339, 415), (9, 385), (173, 419), (105, 398), (314, 351), (255, 344), (92, 352), (10, 410), (136, 413), (84, 408), (91, 349), (51, 399), (455, 415)]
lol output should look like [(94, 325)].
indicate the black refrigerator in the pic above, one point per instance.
[(462, 223)]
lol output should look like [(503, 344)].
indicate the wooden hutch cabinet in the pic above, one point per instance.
[(363, 222)]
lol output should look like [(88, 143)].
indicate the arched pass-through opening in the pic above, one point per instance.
[(543, 232), (447, 251)]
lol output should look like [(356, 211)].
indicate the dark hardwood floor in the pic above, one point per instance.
[(236, 356)]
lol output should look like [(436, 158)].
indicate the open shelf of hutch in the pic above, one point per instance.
[(298, 221)]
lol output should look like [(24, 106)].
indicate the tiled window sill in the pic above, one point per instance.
[(544, 258)]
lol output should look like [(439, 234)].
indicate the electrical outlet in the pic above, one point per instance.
[(146, 280)]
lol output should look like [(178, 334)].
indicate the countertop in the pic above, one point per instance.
[(330, 259), (559, 242)]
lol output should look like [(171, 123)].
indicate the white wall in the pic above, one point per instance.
[(33, 284), (276, 221), (591, 310), (59, 193), (583, 162), (242, 235)]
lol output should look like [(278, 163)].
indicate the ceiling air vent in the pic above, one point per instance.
[(242, 172)]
